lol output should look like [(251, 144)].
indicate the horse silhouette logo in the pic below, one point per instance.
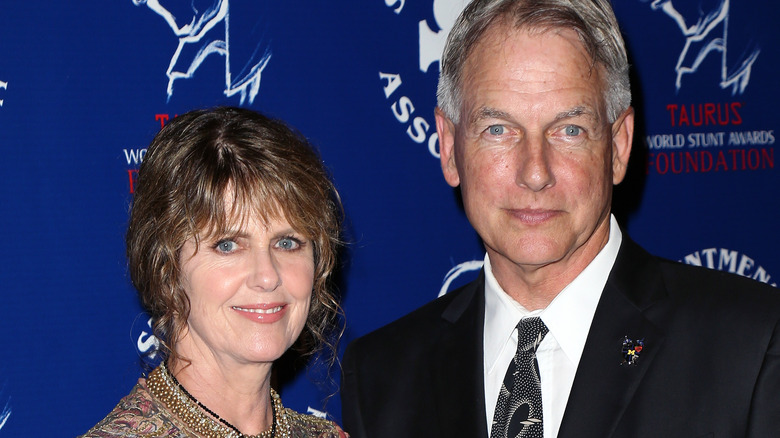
[(203, 30), (705, 29)]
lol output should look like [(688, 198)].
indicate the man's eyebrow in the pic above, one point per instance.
[(494, 113), (489, 113), (575, 112)]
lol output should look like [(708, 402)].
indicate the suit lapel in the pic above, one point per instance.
[(631, 305), (458, 379)]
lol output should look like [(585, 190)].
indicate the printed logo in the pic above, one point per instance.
[(3, 86), (431, 44), (317, 413), (728, 260), (704, 137), (205, 32), (706, 33), (5, 413), (146, 343), (135, 156), (469, 266)]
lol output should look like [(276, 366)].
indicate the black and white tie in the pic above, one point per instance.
[(519, 407)]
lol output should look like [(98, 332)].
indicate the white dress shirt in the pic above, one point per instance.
[(568, 317)]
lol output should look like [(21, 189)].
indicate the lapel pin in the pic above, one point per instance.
[(631, 350)]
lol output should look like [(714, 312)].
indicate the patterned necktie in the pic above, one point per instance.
[(519, 407)]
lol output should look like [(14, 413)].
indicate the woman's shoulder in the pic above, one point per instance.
[(137, 415), (309, 426)]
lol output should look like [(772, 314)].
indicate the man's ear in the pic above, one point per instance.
[(622, 137), (446, 130)]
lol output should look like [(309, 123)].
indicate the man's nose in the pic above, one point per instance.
[(534, 167)]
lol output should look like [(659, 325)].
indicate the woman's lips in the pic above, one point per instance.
[(264, 313)]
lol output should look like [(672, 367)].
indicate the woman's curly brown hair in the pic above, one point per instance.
[(203, 170)]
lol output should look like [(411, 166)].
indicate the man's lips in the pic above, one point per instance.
[(533, 216)]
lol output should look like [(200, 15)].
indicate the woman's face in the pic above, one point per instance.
[(249, 292)]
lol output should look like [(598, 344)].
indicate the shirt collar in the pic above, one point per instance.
[(568, 316)]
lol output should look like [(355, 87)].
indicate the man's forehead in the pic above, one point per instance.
[(496, 68), (522, 46), (499, 35)]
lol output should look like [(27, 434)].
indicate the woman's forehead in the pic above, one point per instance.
[(235, 217)]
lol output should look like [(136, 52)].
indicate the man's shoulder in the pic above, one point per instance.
[(422, 324), (709, 285), (635, 267)]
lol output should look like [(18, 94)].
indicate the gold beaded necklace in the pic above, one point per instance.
[(164, 386)]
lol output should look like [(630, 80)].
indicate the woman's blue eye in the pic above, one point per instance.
[(226, 246), (288, 243), (572, 130), (496, 129)]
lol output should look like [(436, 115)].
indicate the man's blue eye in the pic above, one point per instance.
[(573, 130), (496, 129)]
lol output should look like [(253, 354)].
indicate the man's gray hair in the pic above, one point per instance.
[(593, 20)]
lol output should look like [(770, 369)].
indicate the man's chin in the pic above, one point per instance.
[(530, 258)]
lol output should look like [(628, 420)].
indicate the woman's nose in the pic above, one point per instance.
[(264, 274)]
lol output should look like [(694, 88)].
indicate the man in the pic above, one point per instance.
[(535, 127)]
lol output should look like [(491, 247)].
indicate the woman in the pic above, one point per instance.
[(231, 242)]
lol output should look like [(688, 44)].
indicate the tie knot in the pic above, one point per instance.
[(530, 332)]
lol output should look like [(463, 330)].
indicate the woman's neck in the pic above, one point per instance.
[(237, 393)]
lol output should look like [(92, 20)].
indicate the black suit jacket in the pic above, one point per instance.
[(710, 365)]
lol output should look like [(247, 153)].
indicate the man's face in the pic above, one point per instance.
[(533, 152)]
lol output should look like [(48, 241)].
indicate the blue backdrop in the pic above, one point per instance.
[(85, 85)]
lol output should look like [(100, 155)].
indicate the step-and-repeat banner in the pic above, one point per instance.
[(84, 86)]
